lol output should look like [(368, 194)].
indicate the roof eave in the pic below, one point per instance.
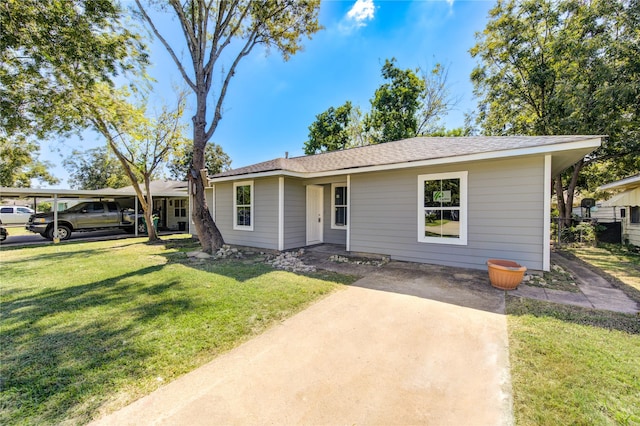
[(579, 148), (630, 182)]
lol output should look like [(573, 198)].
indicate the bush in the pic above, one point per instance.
[(582, 233)]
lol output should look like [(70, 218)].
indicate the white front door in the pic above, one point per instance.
[(315, 220)]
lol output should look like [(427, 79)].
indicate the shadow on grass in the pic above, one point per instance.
[(68, 350), (609, 320), (47, 367)]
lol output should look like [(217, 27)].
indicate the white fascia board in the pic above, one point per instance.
[(492, 155), (621, 183)]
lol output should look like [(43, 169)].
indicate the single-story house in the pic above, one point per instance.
[(454, 201), (628, 201)]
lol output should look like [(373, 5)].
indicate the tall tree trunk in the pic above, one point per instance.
[(208, 233), (565, 205), (148, 213)]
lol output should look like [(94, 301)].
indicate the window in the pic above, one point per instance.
[(243, 206), (339, 207), (442, 208), (94, 208), (180, 208), (6, 210), (635, 214)]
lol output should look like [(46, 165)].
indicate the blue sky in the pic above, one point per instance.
[(271, 103)]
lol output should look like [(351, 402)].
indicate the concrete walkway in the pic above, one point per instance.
[(400, 347), (595, 291)]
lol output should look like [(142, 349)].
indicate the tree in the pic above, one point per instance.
[(562, 67), (395, 105), (141, 143), (51, 52), (19, 163), (95, 169), (216, 160), (408, 106), (215, 32), (436, 100), (330, 131)]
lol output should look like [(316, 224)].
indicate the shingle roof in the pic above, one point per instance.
[(403, 151)]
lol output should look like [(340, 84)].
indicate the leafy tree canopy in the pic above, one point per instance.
[(216, 160), (411, 104), (330, 131), (141, 142), (95, 169), (53, 51), (563, 67), (395, 105), (19, 164)]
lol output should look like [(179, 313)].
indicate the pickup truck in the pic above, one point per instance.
[(87, 216)]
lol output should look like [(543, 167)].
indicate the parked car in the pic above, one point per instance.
[(3, 232), (88, 216), (15, 215)]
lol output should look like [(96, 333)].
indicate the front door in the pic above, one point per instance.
[(314, 214)]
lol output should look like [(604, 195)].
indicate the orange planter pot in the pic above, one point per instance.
[(505, 274)]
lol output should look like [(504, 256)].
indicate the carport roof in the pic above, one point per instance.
[(158, 189)]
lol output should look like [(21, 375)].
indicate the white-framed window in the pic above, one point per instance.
[(180, 208), (442, 208), (339, 206), (243, 206)]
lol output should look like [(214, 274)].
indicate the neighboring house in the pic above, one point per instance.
[(628, 202), (448, 201)]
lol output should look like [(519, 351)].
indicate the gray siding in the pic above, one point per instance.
[(505, 214), (295, 226), (265, 215)]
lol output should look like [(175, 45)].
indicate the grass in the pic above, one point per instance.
[(89, 327), (571, 365), (614, 259)]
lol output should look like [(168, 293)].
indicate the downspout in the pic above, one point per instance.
[(546, 226), (281, 213), (348, 243)]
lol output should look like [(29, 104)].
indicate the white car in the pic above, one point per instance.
[(15, 215)]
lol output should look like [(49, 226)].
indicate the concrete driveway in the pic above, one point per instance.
[(405, 345)]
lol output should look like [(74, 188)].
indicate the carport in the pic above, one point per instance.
[(161, 191)]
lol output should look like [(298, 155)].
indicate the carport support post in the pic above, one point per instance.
[(55, 219), (135, 215)]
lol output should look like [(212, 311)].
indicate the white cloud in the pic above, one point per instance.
[(361, 11)]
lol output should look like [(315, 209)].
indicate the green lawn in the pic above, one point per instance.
[(571, 365), (89, 327), (615, 259)]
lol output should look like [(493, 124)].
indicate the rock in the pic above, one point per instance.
[(290, 261), (463, 276)]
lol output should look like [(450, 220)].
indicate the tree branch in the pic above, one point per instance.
[(167, 45)]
